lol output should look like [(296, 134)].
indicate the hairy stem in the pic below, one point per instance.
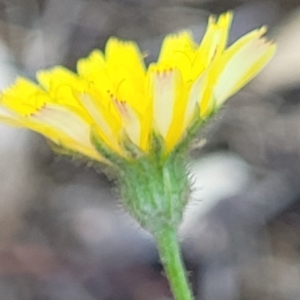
[(171, 258)]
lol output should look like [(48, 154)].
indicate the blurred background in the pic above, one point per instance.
[(64, 234)]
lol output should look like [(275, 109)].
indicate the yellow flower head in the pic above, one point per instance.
[(117, 100)]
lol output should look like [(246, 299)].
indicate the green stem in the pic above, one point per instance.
[(170, 256)]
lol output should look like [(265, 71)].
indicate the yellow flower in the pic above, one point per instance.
[(117, 98)]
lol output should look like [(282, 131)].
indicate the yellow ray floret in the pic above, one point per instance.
[(123, 101)]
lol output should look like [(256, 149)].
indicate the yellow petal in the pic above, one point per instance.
[(181, 43), (94, 71), (24, 97), (216, 36), (242, 68), (67, 128), (108, 125), (53, 79), (213, 43), (10, 118), (124, 60), (163, 87), (131, 123), (92, 65), (236, 67), (62, 85), (193, 100), (178, 51), (56, 123), (64, 120)]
